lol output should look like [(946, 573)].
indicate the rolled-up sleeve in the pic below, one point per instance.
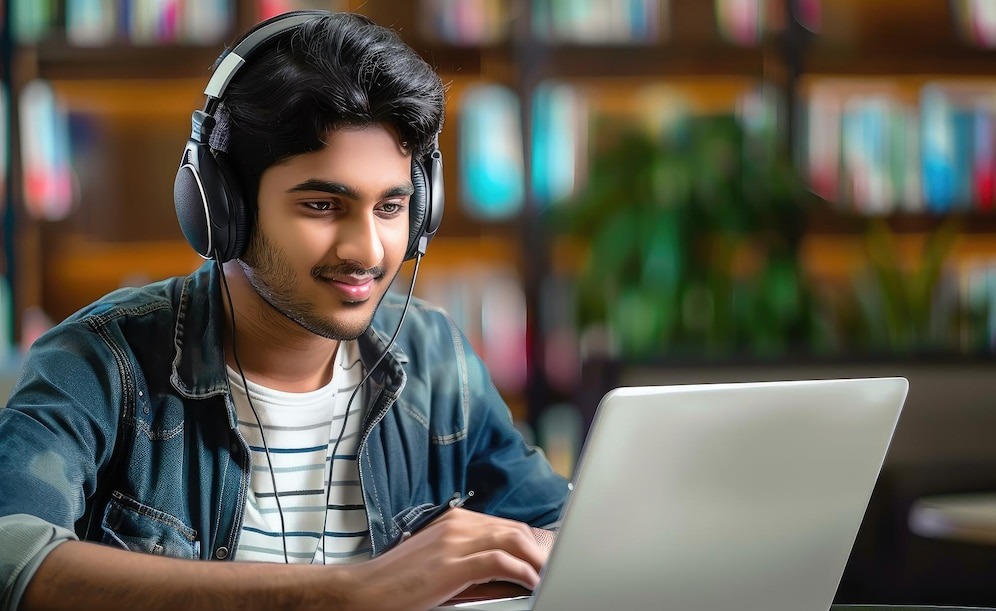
[(56, 434), (27, 540)]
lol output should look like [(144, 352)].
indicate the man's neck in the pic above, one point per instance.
[(273, 350)]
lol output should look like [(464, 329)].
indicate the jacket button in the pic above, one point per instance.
[(221, 553)]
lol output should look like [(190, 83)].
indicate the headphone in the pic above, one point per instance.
[(209, 206)]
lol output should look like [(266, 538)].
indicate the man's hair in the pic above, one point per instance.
[(334, 71)]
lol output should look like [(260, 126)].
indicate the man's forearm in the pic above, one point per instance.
[(454, 552), (83, 576)]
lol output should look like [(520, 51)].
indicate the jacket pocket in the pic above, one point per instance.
[(404, 520), (133, 526)]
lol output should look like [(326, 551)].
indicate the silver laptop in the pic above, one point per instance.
[(719, 496)]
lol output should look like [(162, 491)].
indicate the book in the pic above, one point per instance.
[(559, 137), (4, 145), (465, 22), (30, 19), (594, 22), (44, 138), (206, 22), (491, 154), (91, 22), (271, 8)]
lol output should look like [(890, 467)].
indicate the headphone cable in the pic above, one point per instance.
[(345, 417), (245, 385), (349, 403)]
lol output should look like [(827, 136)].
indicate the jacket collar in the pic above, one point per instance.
[(199, 359)]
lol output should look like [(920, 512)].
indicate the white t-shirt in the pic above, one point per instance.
[(301, 430)]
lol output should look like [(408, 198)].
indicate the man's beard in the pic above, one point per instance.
[(274, 280)]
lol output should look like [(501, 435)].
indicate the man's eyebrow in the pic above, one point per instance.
[(327, 186), (337, 188)]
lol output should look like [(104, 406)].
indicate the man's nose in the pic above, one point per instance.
[(359, 240)]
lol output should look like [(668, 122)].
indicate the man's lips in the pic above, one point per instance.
[(353, 288)]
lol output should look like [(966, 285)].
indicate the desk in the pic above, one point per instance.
[(957, 517)]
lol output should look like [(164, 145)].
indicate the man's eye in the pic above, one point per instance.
[(319, 206), (392, 207)]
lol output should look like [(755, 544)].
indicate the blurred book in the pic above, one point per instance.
[(153, 22), (31, 19), (868, 150), (206, 22), (488, 304), (465, 22), (976, 21), (559, 141), (978, 306), (4, 144), (822, 144), (593, 22), (740, 22), (148, 22), (559, 329), (271, 8), (6, 313), (34, 323), (503, 329), (958, 141), (490, 150), (6, 321), (44, 138), (91, 22), (984, 156), (861, 149)]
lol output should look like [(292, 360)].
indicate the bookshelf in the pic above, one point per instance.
[(128, 95)]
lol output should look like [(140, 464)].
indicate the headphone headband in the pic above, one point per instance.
[(258, 36), (212, 212)]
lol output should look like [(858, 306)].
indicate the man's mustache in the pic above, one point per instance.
[(347, 269)]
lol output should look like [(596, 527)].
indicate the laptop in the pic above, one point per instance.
[(706, 497)]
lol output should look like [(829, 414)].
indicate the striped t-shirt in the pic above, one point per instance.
[(301, 430)]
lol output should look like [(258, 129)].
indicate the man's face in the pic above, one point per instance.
[(332, 230)]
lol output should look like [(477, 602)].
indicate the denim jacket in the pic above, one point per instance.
[(121, 429)]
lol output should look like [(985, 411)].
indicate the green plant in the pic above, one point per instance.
[(669, 219), (897, 301)]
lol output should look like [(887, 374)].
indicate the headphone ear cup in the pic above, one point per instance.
[(208, 204), (239, 224), (190, 200), (417, 208), (426, 203)]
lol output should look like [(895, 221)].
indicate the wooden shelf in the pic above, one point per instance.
[(62, 61), (827, 221), (951, 61), (651, 61)]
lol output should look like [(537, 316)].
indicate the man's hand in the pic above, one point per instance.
[(456, 551)]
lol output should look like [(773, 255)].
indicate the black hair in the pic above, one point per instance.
[(334, 71)]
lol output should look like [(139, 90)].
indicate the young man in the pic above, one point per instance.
[(262, 409)]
